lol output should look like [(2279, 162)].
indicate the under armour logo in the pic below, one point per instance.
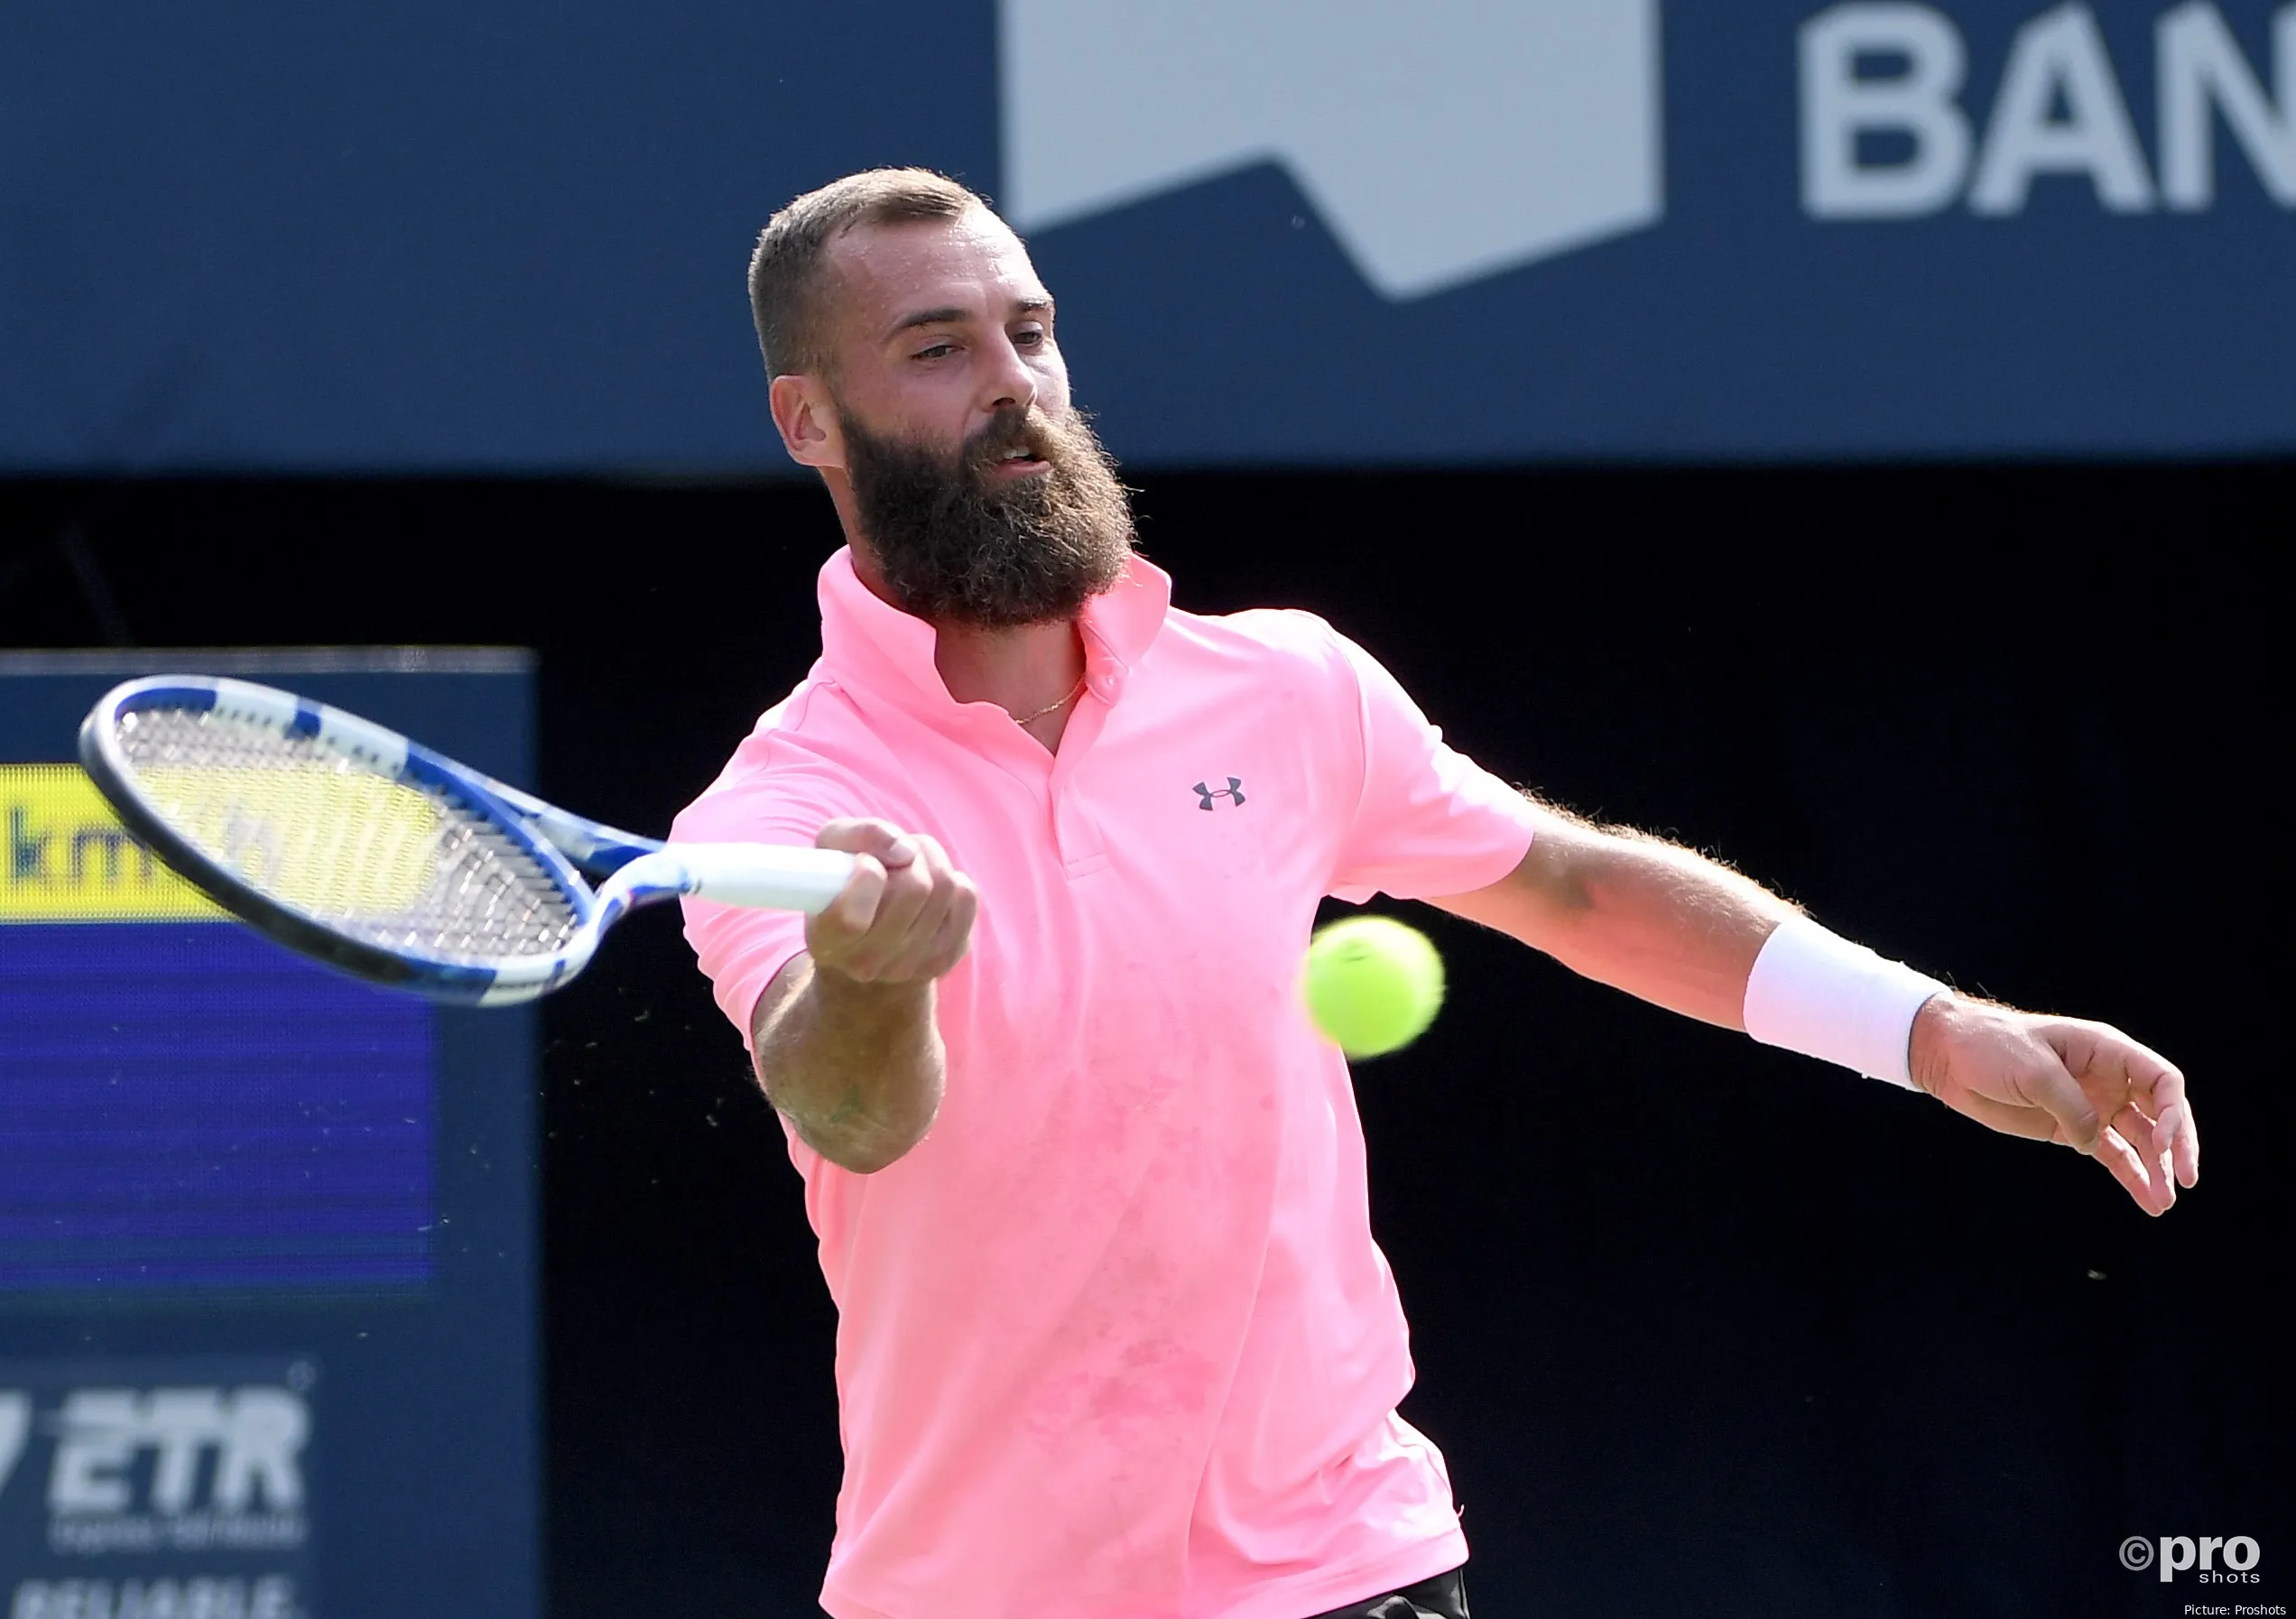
[(1233, 793)]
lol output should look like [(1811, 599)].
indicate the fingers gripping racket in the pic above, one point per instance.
[(349, 843)]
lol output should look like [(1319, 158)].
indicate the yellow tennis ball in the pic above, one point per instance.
[(1372, 985)]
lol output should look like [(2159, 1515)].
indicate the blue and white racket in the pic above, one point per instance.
[(349, 843)]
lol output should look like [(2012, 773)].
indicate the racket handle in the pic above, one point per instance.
[(766, 876)]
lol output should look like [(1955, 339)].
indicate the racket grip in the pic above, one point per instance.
[(766, 876)]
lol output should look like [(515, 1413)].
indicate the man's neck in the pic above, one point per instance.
[(1026, 671), (1031, 672)]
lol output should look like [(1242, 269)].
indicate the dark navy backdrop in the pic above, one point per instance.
[(504, 236)]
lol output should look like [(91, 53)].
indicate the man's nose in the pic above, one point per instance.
[(1008, 381)]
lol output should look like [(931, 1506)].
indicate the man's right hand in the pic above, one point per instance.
[(846, 1041), (905, 916)]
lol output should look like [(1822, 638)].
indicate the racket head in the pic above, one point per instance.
[(340, 838)]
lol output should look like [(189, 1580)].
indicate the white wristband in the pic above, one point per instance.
[(1816, 992)]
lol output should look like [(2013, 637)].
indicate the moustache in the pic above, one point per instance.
[(1015, 427)]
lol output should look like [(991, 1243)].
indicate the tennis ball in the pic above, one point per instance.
[(1372, 985)]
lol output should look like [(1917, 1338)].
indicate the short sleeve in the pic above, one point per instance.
[(740, 948), (1430, 820)]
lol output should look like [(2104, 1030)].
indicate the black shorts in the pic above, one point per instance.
[(1442, 1597)]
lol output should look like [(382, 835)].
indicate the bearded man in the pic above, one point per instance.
[(1113, 1339)]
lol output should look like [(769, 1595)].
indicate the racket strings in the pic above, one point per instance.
[(393, 862)]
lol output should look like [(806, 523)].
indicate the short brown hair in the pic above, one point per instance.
[(784, 271)]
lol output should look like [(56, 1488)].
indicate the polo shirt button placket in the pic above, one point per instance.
[(1076, 835)]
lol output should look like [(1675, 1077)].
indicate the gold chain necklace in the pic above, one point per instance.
[(1073, 693)]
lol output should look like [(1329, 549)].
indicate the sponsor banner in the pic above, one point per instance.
[(209, 1144), (1475, 231), (172, 1489), (69, 858)]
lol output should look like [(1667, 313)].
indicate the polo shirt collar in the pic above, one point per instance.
[(866, 641)]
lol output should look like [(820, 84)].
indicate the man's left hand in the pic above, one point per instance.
[(2084, 1085)]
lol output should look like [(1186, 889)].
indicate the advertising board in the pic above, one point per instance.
[(267, 1293)]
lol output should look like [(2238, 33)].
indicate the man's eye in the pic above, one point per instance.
[(1028, 339), (935, 352)]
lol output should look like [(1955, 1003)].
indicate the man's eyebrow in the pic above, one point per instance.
[(953, 316), (943, 317)]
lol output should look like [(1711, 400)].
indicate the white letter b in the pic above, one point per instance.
[(1837, 106)]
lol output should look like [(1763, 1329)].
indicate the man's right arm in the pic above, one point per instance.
[(845, 1042)]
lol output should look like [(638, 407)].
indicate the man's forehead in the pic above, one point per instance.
[(883, 273)]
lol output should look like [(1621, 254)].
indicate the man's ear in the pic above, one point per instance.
[(808, 419)]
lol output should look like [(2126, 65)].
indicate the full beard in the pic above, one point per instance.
[(955, 543)]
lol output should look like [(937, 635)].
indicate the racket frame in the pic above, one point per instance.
[(390, 756), (636, 870)]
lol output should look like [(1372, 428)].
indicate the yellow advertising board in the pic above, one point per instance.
[(65, 858)]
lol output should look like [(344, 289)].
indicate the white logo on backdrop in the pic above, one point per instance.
[(188, 1469), (1897, 70), (1441, 142)]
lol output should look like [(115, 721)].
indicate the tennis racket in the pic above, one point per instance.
[(348, 842)]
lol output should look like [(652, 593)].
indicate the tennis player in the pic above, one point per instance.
[(1113, 1339)]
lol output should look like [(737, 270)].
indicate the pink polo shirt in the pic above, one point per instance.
[(1114, 1341)]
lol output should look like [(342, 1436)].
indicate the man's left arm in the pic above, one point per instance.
[(1683, 932)]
